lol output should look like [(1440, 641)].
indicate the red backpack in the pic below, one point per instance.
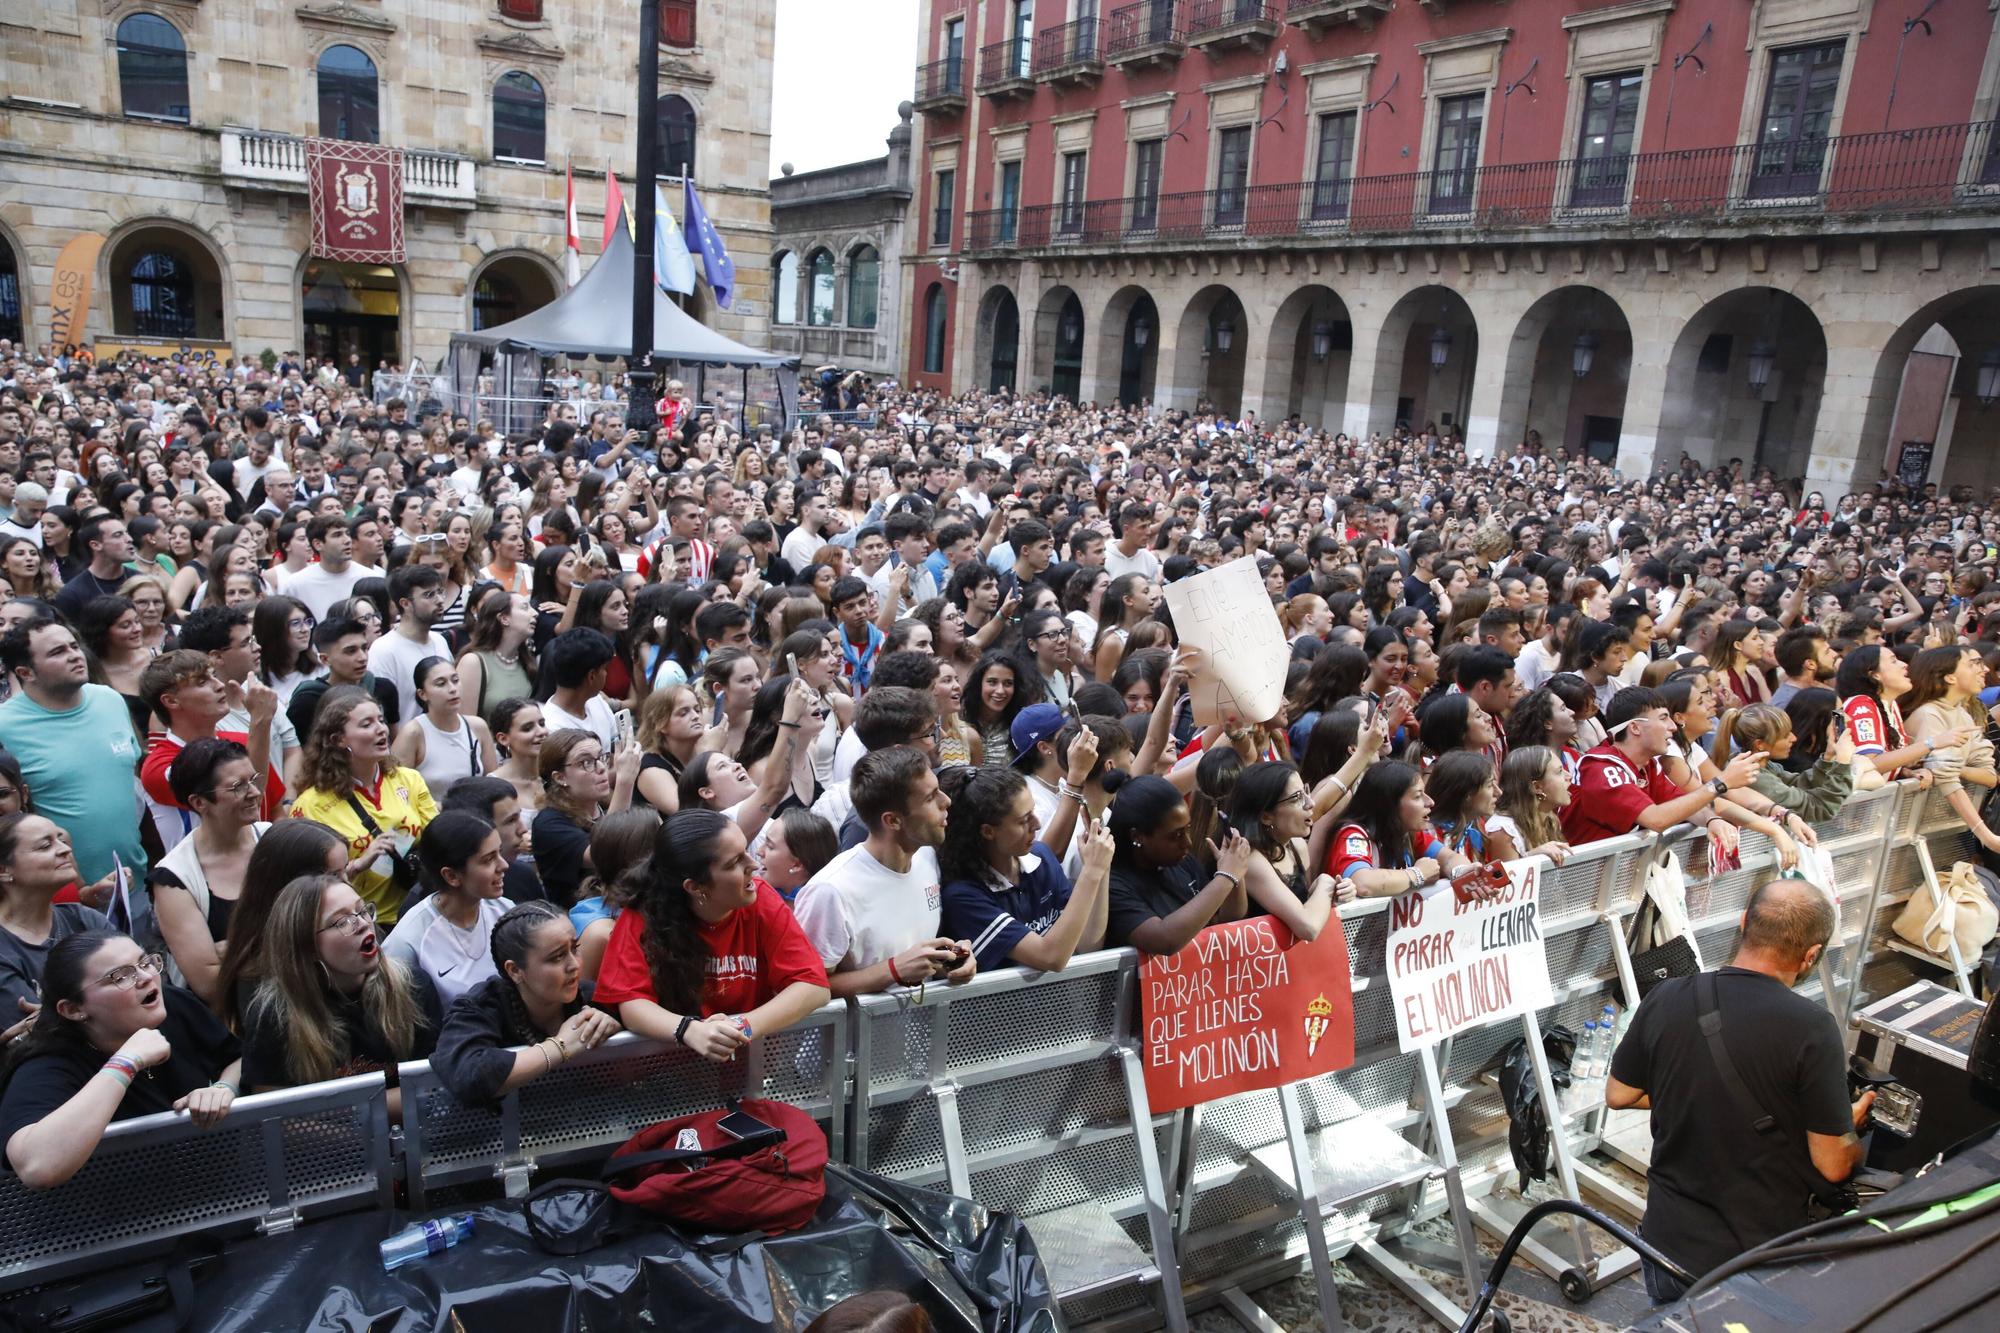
[(691, 1171)]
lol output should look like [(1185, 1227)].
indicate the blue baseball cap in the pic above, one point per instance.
[(1033, 725)]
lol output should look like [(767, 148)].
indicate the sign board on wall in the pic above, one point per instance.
[(1245, 1006), (1454, 966)]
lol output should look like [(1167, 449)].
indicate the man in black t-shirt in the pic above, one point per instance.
[(1718, 1185)]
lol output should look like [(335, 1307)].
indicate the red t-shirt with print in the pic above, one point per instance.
[(753, 953)]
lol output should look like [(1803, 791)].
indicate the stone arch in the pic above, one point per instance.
[(1128, 348), (373, 301), (209, 275), (1712, 409), (1306, 358), (534, 278), (1541, 390), (1056, 349), (1211, 349), (1964, 433), (996, 340), (1418, 381)]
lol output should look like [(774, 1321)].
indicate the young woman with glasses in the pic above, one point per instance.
[(1271, 808), (112, 1041), (580, 784), (195, 886), (331, 1002)]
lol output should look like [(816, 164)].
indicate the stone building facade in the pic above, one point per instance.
[(1638, 228), (836, 264), (174, 131)]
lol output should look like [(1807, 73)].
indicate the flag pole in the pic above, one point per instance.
[(639, 410)]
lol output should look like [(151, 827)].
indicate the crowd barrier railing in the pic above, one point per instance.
[(1024, 1091)]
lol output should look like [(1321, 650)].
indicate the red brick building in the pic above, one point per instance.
[(1636, 228)]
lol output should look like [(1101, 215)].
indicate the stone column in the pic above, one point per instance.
[(1482, 417), (1639, 444), (1363, 371)]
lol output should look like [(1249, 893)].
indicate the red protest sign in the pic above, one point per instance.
[(1245, 1006)]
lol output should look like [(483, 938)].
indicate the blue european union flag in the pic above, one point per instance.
[(704, 240)]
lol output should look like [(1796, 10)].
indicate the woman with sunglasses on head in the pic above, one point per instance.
[(531, 1016), (331, 1002), (112, 1041), (196, 885), (706, 957)]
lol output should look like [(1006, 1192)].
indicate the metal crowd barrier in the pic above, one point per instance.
[(1024, 1092)]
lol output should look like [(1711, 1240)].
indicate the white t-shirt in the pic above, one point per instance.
[(456, 960), (599, 719), (1116, 562), (394, 658), (857, 912), (319, 590), (1535, 665), (846, 754)]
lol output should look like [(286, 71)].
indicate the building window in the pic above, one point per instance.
[(676, 136), (934, 319), (954, 55), (819, 297), (1146, 155), (1798, 111), (162, 296), (1232, 174), (494, 302), (1010, 199), (10, 296), (350, 98), (1604, 139), (520, 117), (1333, 174), (1021, 58), (1074, 182), (677, 26), (152, 69), (941, 205), (1455, 164), (864, 285), (785, 290), (524, 11)]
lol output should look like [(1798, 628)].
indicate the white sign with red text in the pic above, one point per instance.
[(1454, 966)]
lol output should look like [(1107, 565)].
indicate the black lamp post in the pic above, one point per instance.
[(639, 410)]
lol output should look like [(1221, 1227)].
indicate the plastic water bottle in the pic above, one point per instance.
[(1584, 1066), (1613, 1025), (424, 1239)]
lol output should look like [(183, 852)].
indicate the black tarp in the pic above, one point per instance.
[(594, 318), (973, 1271)]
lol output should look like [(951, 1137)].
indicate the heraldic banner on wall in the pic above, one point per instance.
[(357, 201)]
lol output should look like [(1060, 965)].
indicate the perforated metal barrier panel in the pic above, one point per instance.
[(1021, 1090)]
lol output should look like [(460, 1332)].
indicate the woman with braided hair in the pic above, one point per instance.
[(532, 1015)]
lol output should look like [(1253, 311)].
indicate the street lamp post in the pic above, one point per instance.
[(639, 410)]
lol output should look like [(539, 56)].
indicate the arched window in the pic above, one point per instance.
[(934, 319), (819, 296), (350, 98), (864, 283), (162, 296), (520, 116), (785, 289), (10, 295), (676, 136), (152, 68)]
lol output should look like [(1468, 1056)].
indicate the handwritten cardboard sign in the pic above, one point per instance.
[(1245, 1006), (1454, 966), (1228, 616)]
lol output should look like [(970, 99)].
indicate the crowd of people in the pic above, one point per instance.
[(340, 733)]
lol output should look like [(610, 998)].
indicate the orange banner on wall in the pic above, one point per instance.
[(70, 290)]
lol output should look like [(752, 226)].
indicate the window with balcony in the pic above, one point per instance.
[(785, 289), (350, 96), (1798, 110), (162, 296), (819, 289), (944, 193), (152, 69), (1455, 163), (1010, 200), (1333, 171), (1021, 32), (677, 22), (1604, 140), (524, 11), (954, 56), (864, 285), (1146, 158), (934, 321), (1074, 183), (520, 118), (676, 136), (1232, 175)]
